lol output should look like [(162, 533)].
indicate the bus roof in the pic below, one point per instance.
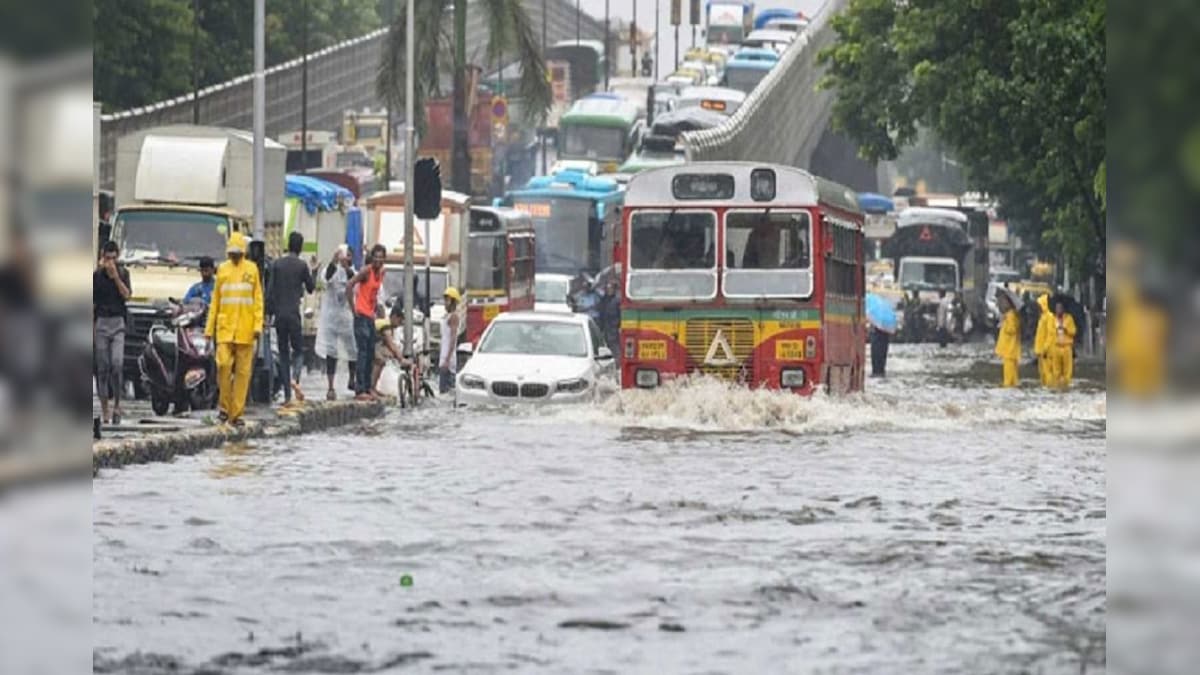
[(595, 45), (766, 15), (753, 55), (569, 184), (925, 215), (498, 219), (793, 186), (602, 110)]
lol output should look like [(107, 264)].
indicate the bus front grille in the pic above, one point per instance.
[(720, 347)]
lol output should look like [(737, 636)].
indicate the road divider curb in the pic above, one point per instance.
[(163, 447)]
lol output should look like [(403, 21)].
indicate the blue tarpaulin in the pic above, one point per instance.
[(354, 235), (875, 203), (314, 193)]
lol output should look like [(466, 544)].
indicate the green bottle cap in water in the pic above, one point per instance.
[(406, 580)]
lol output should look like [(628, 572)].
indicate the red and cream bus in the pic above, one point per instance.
[(500, 246), (782, 308)]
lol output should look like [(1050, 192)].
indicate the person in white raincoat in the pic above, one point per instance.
[(335, 329)]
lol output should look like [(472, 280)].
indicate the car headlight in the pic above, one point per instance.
[(791, 378), (471, 382), (646, 377), (572, 386)]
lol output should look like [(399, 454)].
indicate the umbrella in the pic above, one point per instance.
[(880, 313), (1012, 297)]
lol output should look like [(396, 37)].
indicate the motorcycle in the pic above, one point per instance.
[(178, 365)]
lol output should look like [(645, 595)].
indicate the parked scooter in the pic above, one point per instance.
[(178, 366)]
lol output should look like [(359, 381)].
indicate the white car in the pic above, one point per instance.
[(550, 293), (535, 358)]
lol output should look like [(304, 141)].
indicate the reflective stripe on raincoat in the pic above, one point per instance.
[(236, 314)]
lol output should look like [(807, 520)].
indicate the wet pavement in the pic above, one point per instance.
[(932, 524)]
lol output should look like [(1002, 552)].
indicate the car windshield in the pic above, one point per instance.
[(171, 236), (541, 338), (914, 274), (744, 79), (551, 290), (562, 228), (672, 255), (767, 254), (593, 142)]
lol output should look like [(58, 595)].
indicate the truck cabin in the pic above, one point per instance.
[(928, 250), (728, 22), (585, 61)]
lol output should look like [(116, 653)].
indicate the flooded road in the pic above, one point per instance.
[(933, 524)]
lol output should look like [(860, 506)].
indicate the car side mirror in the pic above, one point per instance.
[(604, 354)]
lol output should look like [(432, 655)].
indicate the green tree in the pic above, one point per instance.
[(1016, 88), (512, 37), (142, 51)]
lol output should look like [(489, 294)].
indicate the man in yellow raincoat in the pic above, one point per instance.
[(235, 321), (1008, 342), (1062, 348), (1044, 340)]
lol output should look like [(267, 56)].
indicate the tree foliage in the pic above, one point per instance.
[(1015, 87), (143, 48), (512, 38)]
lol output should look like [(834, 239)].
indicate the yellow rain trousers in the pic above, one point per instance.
[(1062, 350), (1008, 347)]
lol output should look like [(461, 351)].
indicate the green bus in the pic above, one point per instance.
[(601, 128)]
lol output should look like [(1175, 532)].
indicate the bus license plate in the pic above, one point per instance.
[(652, 350), (789, 350), (490, 312)]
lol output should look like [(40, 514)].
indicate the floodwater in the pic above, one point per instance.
[(933, 524)]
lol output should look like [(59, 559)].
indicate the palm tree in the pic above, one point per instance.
[(511, 33)]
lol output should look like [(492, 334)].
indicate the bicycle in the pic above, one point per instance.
[(414, 385)]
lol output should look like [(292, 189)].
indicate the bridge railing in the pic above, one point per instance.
[(784, 117)]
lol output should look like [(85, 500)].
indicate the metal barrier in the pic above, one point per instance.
[(784, 118)]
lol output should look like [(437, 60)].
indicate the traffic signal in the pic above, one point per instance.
[(427, 189)]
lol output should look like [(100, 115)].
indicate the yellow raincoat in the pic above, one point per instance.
[(1062, 350), (1044, 339), (1008, 346), (235, 320)]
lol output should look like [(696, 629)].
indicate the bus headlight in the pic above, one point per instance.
[(471, 382), (646, 378), (791, 378)]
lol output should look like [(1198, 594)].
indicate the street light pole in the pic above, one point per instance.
[(260, 117), (544, 130), (657, 52), (195, 61), (410, 131), (607, 39), (577, 24), (633, 40), (304, 87)]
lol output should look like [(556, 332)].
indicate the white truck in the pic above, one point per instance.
[(180, 191)]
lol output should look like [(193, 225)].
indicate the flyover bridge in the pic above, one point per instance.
[(786, 120)]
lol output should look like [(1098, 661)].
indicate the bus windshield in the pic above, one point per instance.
[(593, 142), (171, 236), (767, 254), (489, 256), (561, 227), (672, 255)]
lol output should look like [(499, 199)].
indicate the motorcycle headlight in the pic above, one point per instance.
[(471, 382), (572, 386), (199, 343)]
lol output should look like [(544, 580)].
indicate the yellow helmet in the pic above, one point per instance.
[(236, 243), (453, 294)]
